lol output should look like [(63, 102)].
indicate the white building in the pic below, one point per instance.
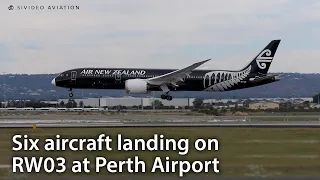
[(130, 101), (219, 100), (176, 102), (94, 102), (122, 101)]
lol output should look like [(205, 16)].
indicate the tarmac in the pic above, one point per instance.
[(154, 124), (150, 117)]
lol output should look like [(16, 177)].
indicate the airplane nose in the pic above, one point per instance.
[(53, 82)]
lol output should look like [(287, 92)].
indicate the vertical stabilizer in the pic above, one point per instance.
[(261, 63)]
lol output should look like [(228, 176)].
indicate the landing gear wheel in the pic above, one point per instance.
[(70, 94), (166, 96)]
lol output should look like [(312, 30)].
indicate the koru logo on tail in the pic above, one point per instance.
[(261, 61)]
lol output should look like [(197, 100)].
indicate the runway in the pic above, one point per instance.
[(119, 124), (149, 117)]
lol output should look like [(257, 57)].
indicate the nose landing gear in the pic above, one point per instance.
[(70, 94)]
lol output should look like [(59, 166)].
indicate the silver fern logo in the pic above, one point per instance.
[(223, 80), (261, 61)]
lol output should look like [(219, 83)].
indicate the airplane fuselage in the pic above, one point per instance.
[(141, 81), (198, 80)]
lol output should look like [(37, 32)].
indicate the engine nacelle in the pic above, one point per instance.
[(136, 86), (265, 80)]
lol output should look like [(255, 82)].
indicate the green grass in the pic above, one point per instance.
[(284, 119), (283, 113), (242, 151)]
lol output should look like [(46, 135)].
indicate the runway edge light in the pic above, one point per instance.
[(34, 126)]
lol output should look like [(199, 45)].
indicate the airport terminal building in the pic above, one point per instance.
[(130, 102)]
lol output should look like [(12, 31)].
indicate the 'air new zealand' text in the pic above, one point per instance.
[(108, 71)]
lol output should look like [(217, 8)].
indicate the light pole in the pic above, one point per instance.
[(4, 89), (153, 101)]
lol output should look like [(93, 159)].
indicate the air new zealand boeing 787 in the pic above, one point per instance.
[(142, 81)]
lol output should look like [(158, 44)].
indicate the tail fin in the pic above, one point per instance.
[(261, 63)]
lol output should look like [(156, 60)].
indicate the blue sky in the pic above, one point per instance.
[(158, 34)]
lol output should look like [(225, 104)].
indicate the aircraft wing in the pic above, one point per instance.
[(175, 76)]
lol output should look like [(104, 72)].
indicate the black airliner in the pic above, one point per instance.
[(143, 81)]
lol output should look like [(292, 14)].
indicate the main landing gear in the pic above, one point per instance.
[(166, 90), (166, 96), (70, 94)]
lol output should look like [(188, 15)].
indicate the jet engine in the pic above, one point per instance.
[(265, 79), (136, 86)]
